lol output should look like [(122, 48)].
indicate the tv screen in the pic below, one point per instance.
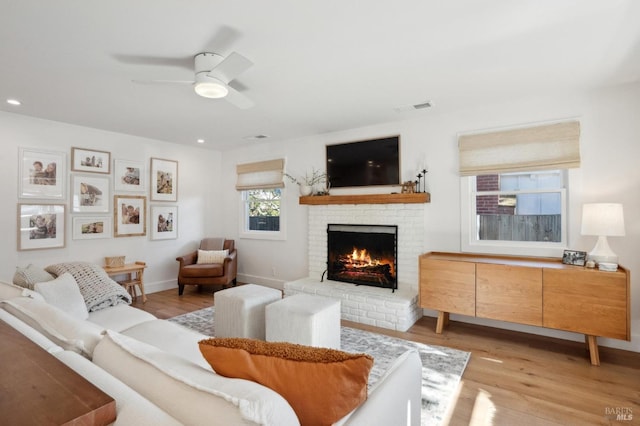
[(365, 163)]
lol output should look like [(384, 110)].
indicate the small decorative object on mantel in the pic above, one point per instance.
[(573, 257), (408, 187), (310, 181), (421, 185)]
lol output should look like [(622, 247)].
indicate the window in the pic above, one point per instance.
[(524, 211), (260, 185), (513, 188)]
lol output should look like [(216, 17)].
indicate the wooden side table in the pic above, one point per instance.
[(135, 277)]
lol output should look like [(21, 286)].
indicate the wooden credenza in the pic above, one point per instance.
[(541, 292)]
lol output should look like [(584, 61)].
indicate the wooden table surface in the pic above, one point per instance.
[(38, 389)]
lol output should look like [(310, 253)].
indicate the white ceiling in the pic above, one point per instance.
[(319, 66)]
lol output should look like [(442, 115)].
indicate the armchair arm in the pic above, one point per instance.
[(188, 259)]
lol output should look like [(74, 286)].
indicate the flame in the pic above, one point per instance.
[(361, 257)]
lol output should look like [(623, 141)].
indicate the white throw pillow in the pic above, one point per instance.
[(61, 328), (64, 293), (211, 256)]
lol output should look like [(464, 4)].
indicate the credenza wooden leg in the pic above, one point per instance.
[(593, 349), (443, 321)]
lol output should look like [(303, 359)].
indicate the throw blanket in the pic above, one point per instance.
[(98, 290)]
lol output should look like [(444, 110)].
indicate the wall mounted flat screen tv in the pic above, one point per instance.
[(364, 163)]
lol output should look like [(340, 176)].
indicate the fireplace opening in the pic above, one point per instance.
[(363, 254)]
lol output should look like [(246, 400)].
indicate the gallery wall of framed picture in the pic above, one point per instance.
[(107, 198)]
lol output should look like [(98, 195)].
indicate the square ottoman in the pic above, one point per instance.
[(239, 311), (304, 319)]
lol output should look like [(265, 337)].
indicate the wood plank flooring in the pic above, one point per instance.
[(512, 378)]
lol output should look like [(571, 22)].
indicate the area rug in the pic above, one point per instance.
[(442, 367)]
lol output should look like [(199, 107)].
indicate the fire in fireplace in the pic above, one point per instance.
[(363, 254)]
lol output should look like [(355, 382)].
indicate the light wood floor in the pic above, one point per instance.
[(512, 378)]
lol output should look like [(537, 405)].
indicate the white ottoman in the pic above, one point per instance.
[(304, 319), (239, 311)]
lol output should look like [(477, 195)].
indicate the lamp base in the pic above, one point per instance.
[(602, 253)]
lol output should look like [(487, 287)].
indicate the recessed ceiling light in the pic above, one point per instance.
[(14, 102), (200, 141)]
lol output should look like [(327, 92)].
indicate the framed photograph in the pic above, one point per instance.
[(40, 226), (90, 228), (42, 174), (128, 176), (164, 180), (164, 222), (573, 257), (90, 194), (129, 213), (90, 160)]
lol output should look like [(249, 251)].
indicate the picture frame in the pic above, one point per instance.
[(41, 226), (164, 180), (91, 227), (129, 176), (129, 215), (42, 174), (90, 194), (90, 160), (574, 257), (164, 222)]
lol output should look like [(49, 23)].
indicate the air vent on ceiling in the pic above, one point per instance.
[(422, 105)]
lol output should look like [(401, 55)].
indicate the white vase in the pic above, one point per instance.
[(306, 190)]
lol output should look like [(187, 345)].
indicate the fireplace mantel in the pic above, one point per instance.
[(420, 197)]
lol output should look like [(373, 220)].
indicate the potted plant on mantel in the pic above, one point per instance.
[(308, 184)]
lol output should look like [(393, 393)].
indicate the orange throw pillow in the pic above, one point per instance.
[(321, 385)]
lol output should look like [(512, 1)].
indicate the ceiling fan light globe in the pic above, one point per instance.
[(211, 89)]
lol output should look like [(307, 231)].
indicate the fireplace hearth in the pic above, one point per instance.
[(363, 254)]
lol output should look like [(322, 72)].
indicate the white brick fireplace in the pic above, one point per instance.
[(369, 305)]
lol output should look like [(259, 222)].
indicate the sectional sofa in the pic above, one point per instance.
[(155, 371)]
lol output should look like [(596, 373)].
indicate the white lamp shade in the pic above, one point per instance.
[(603, 219)]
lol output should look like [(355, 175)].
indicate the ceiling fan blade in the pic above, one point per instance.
[(163, 81), (238, 99), (232, 66)]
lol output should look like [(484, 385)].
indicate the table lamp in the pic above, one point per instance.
[(603, 220)]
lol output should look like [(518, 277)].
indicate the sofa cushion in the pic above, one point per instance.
[(170, 337), (120, 317), (68, 332), (9, 291), (63, 293), (202, 270), (98, 290), (196, 395), (211, 256), (29, 275), (322, 385)]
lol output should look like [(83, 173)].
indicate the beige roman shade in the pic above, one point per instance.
[(261, 175), (551, 146)]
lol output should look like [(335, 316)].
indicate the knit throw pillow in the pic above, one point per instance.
[(321, 385), (26, 277), (211, 256)]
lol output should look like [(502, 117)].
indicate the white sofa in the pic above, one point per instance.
[(155, 372)]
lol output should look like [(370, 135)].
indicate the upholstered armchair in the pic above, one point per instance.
[(212, 268)]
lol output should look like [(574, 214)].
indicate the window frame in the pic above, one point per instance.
[(469, 229), (245, 232)]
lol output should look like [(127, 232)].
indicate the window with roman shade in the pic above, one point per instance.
[(513, 193), (260, 175), (545, 147)]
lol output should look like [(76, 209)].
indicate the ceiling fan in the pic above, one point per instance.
[(213, 73)]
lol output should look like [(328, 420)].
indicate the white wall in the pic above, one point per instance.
[(198, 192), (610, 148)]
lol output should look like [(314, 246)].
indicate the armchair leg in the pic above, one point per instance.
[(234, 282), (180, 289)]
